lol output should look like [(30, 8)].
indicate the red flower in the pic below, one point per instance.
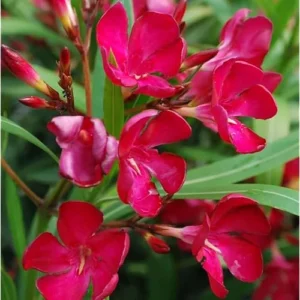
[(280, 281), (139, 161), (234, 231), (85, 256), (291, 174), (154, 45), (87, 151), (239, 90)]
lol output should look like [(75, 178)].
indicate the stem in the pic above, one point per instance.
[(55, 194), (87, 81), (30, 194)]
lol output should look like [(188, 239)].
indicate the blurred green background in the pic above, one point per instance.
[(145, 275)]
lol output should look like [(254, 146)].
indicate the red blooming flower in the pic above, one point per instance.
[(280, 281), (154, 46), (86, 256), (226, 232), (239, 90), (87, 151), (139, 161)]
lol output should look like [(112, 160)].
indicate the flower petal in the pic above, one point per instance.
[(201, 87), (111, 154), (104, 281), (168, 168), (165, 128), (236, 133), (112, 33), (65, 128), (243, 259), (77, 221), (155, 86), (111, 247), (256, 102), (99, 139), (46, 254), (271, 80), (150, 34), (64, 286), (198, 243)]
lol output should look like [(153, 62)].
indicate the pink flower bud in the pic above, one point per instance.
[(156, 244), (36, 102), (198, 58)]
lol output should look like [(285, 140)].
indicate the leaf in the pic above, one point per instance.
[(8, 288), (272, 130), (51, 78), (13, 128), (18, 27), (241, 167), (129, 9), (15, 218), (161, 277), (116, 211), (270, 195), (113, 108), (98, 81)]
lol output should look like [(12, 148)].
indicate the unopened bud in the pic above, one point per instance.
[(64, 11), (198, 58), (156, 244), (37, 103), (22, 69), (65, 61)]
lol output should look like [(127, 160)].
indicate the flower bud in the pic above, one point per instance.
[(66, 14), (198, 58), (156, 244), (65, 61), (36, 102)]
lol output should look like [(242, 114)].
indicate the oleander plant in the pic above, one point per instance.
[(150, 149)]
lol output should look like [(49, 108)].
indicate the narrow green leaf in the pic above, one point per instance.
[(270, 195), (161, 277), (129, 9), (15, 217), (19, 27), (13, 128), (113, 107), (98, 81), (8, 288), (242, 167)]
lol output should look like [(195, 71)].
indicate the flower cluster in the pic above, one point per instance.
[(216, 86)]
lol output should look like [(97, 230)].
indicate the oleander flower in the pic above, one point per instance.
[(88, 152), (154, 46), (139, 161), (84, 256)]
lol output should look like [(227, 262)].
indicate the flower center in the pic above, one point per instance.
[(85, 137), (211, 246), (84, 253), (137, 77)]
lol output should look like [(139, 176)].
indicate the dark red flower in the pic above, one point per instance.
[(86, 255), (154, 46), (280, 281), (88, 152), (138, 160)]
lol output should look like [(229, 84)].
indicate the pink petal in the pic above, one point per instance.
[(65, 128), (168, 168), (139, 7), (77, 221), (111, 154), (214, 270), (112, 34), (198, 243), (161, 6), (155, 86), (256, 102), (271, 80), (233, 131), (46, 254), (111, 247), (99, 139), (104, 281), (199, 58), (150, 34), (238, 78), (64, 286), (165, 128), (243, 259), (125, 180), (133, 129), (201, 87), (180, 11)]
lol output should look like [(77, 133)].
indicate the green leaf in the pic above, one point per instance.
[(20, 8), (161, 277), (113, 107), (12, 128), (15, 218), (129, 9), (51, 78), (242, 167), (116, 211), (8, 288), (272, 130), (98, 81), (18, 27), (269, 195)]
